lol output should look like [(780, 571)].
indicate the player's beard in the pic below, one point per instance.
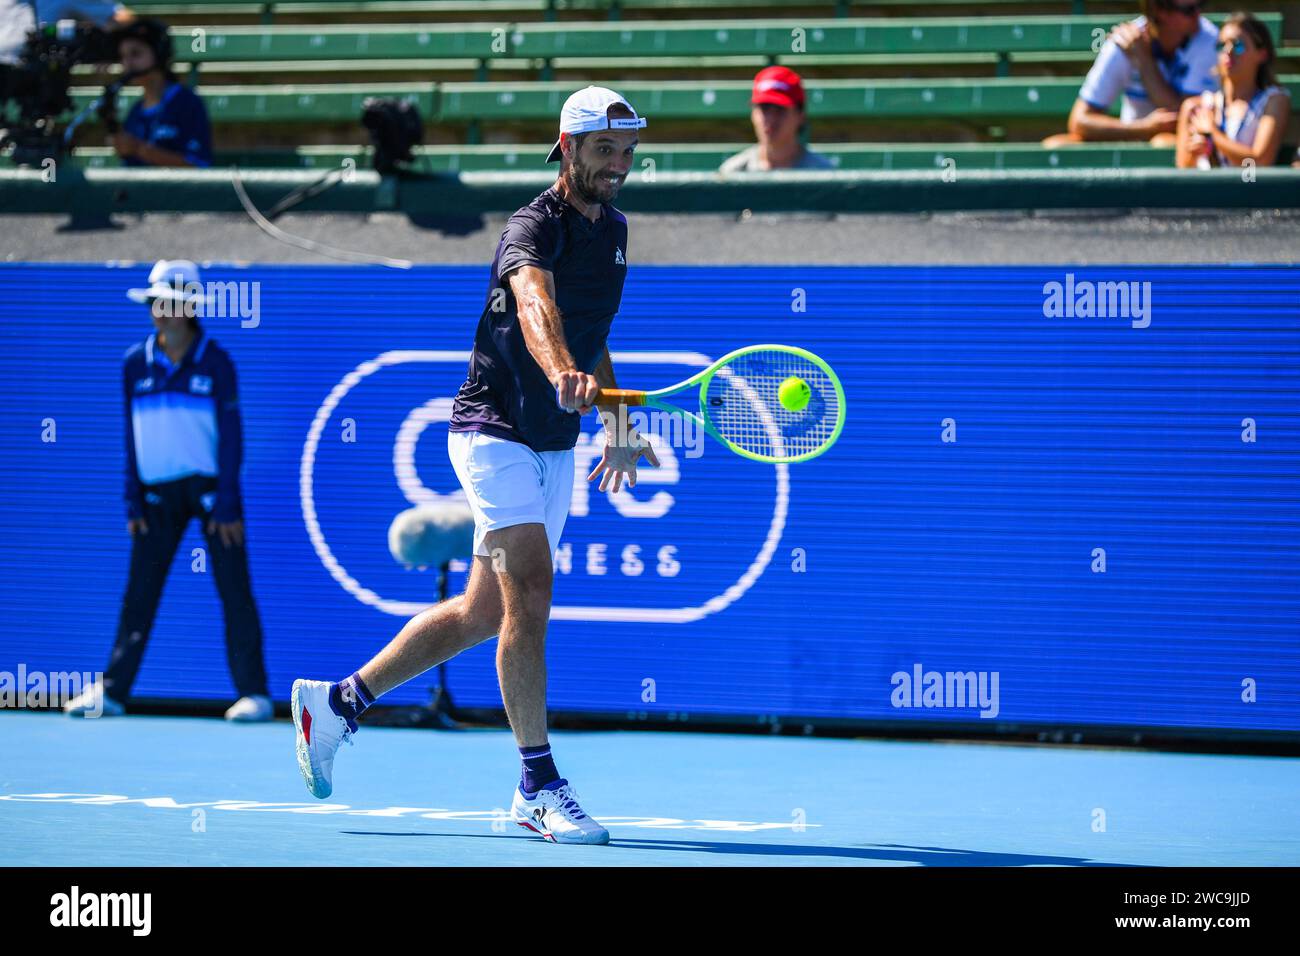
[(586, 185)]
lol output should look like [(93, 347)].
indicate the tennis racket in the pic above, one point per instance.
[(754, 401)]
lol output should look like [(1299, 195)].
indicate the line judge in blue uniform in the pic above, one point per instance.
[(539, 359), (184, 447)]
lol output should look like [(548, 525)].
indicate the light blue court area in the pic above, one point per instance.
[(200, 792)]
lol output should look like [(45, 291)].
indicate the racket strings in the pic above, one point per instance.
[(744, 405)]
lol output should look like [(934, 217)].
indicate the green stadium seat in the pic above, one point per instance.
[(462, 102), (704, 157), (678, 100), (978, 64), (548, 9), (288, 104), (268, 8), (327, 42), (937, 37)]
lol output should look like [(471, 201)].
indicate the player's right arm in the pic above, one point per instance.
[(543, 329)]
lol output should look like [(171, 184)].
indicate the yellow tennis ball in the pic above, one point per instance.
[(794, 394)]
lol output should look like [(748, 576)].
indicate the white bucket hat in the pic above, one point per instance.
[(587, 110), (174, 279)]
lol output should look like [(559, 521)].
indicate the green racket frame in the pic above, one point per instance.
[(613, 397)]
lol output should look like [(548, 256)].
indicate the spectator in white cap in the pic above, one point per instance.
[(540, 357), (184, 446)]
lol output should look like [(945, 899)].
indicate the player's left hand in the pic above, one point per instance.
[(231, 533), (619, 462)]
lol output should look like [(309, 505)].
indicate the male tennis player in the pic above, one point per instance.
[(539, 359)]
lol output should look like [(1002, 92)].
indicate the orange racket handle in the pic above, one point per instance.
[(613, 397)]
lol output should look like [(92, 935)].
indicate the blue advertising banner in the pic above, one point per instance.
[(1062, 495)]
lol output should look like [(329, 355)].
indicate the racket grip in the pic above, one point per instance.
[(613, 397)]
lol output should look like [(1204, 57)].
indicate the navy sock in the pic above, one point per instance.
[(349, 698), (539, 768)]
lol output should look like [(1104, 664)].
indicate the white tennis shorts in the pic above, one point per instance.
[(507, 483)]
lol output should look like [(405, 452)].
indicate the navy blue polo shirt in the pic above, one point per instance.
[(182, 420), (178, 123), (506, 394)]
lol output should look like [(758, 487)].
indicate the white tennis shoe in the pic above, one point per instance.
[(251, 710), (319, 731), (93, 702), (556, 816)]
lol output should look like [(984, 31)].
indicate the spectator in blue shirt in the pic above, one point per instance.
[(168, 124), (184, 443)]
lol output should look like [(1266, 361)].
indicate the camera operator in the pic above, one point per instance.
[(17, 19), (20, 17), (168, 124)]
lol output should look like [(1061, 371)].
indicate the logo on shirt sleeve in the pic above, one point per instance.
[(618, 257)]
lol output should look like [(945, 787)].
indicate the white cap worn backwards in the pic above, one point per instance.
[(586, 111)]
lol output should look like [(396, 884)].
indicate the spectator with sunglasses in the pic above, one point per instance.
[(1247, 118), (1152, 64)]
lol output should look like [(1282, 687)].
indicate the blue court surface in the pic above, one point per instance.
[(200, 792)]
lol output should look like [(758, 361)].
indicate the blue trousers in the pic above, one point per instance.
[(169, 506)]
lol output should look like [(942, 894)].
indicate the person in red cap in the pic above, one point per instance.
[(778, 117)]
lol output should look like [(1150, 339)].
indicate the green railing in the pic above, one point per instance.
[(470, 194)]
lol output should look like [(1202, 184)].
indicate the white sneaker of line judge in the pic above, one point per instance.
[(249, 710), (93, 702)]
